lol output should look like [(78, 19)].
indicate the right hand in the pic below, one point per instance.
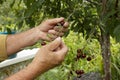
[(46, 58), (50, 55)]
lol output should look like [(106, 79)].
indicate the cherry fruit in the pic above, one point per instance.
[(79, 51), (78, 55), (79, 72), (89, 59), (83, 55)]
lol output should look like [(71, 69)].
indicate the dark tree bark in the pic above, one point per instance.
[(105, 44), (105, 50)]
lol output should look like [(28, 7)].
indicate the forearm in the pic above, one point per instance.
[(46, 58), (28, 73), (18, 41)]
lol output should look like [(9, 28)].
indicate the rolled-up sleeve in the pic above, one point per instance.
[(3, 53)]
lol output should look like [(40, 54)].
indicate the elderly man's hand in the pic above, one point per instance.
[(47, 29), (49, 56)]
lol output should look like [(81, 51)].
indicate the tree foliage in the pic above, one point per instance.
[(85, 15)]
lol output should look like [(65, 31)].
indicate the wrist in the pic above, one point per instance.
[(32, 36), (34, 32), (39, 67), (32, 70), (28, 73), (38, 33), (35, 70)]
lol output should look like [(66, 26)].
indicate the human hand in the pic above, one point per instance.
[(50, 55), (46, 58), (33, 35), (49, 32)]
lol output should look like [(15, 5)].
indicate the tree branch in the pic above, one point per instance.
[(104, 2)]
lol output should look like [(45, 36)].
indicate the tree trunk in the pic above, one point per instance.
[(105, 50), (105, 43)]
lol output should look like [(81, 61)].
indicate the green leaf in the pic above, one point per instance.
[(116, 67), (20, 24), (117, 33), (1, 1), (30, 21), (73, 24), (107, 16), (12, 4), (66, 33), (32, 7)]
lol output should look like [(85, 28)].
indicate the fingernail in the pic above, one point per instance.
[(62, 17), (58, 39)]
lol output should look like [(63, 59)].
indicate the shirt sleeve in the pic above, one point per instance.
[(3, 53)]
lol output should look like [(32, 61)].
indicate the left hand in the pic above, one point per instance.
[(47, 31)]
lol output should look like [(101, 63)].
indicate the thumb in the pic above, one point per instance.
[(55, 20), (55, 44)]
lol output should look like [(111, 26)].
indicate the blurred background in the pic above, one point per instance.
[(93, 36)]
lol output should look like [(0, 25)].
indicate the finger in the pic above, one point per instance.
[(52, 36), (55, 20), (65, 30), (57, 49), (53, 32), (61, 34), (57, 33), (45, 36), (63, 51), (66, 25), (55, 44), (58, 28)]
